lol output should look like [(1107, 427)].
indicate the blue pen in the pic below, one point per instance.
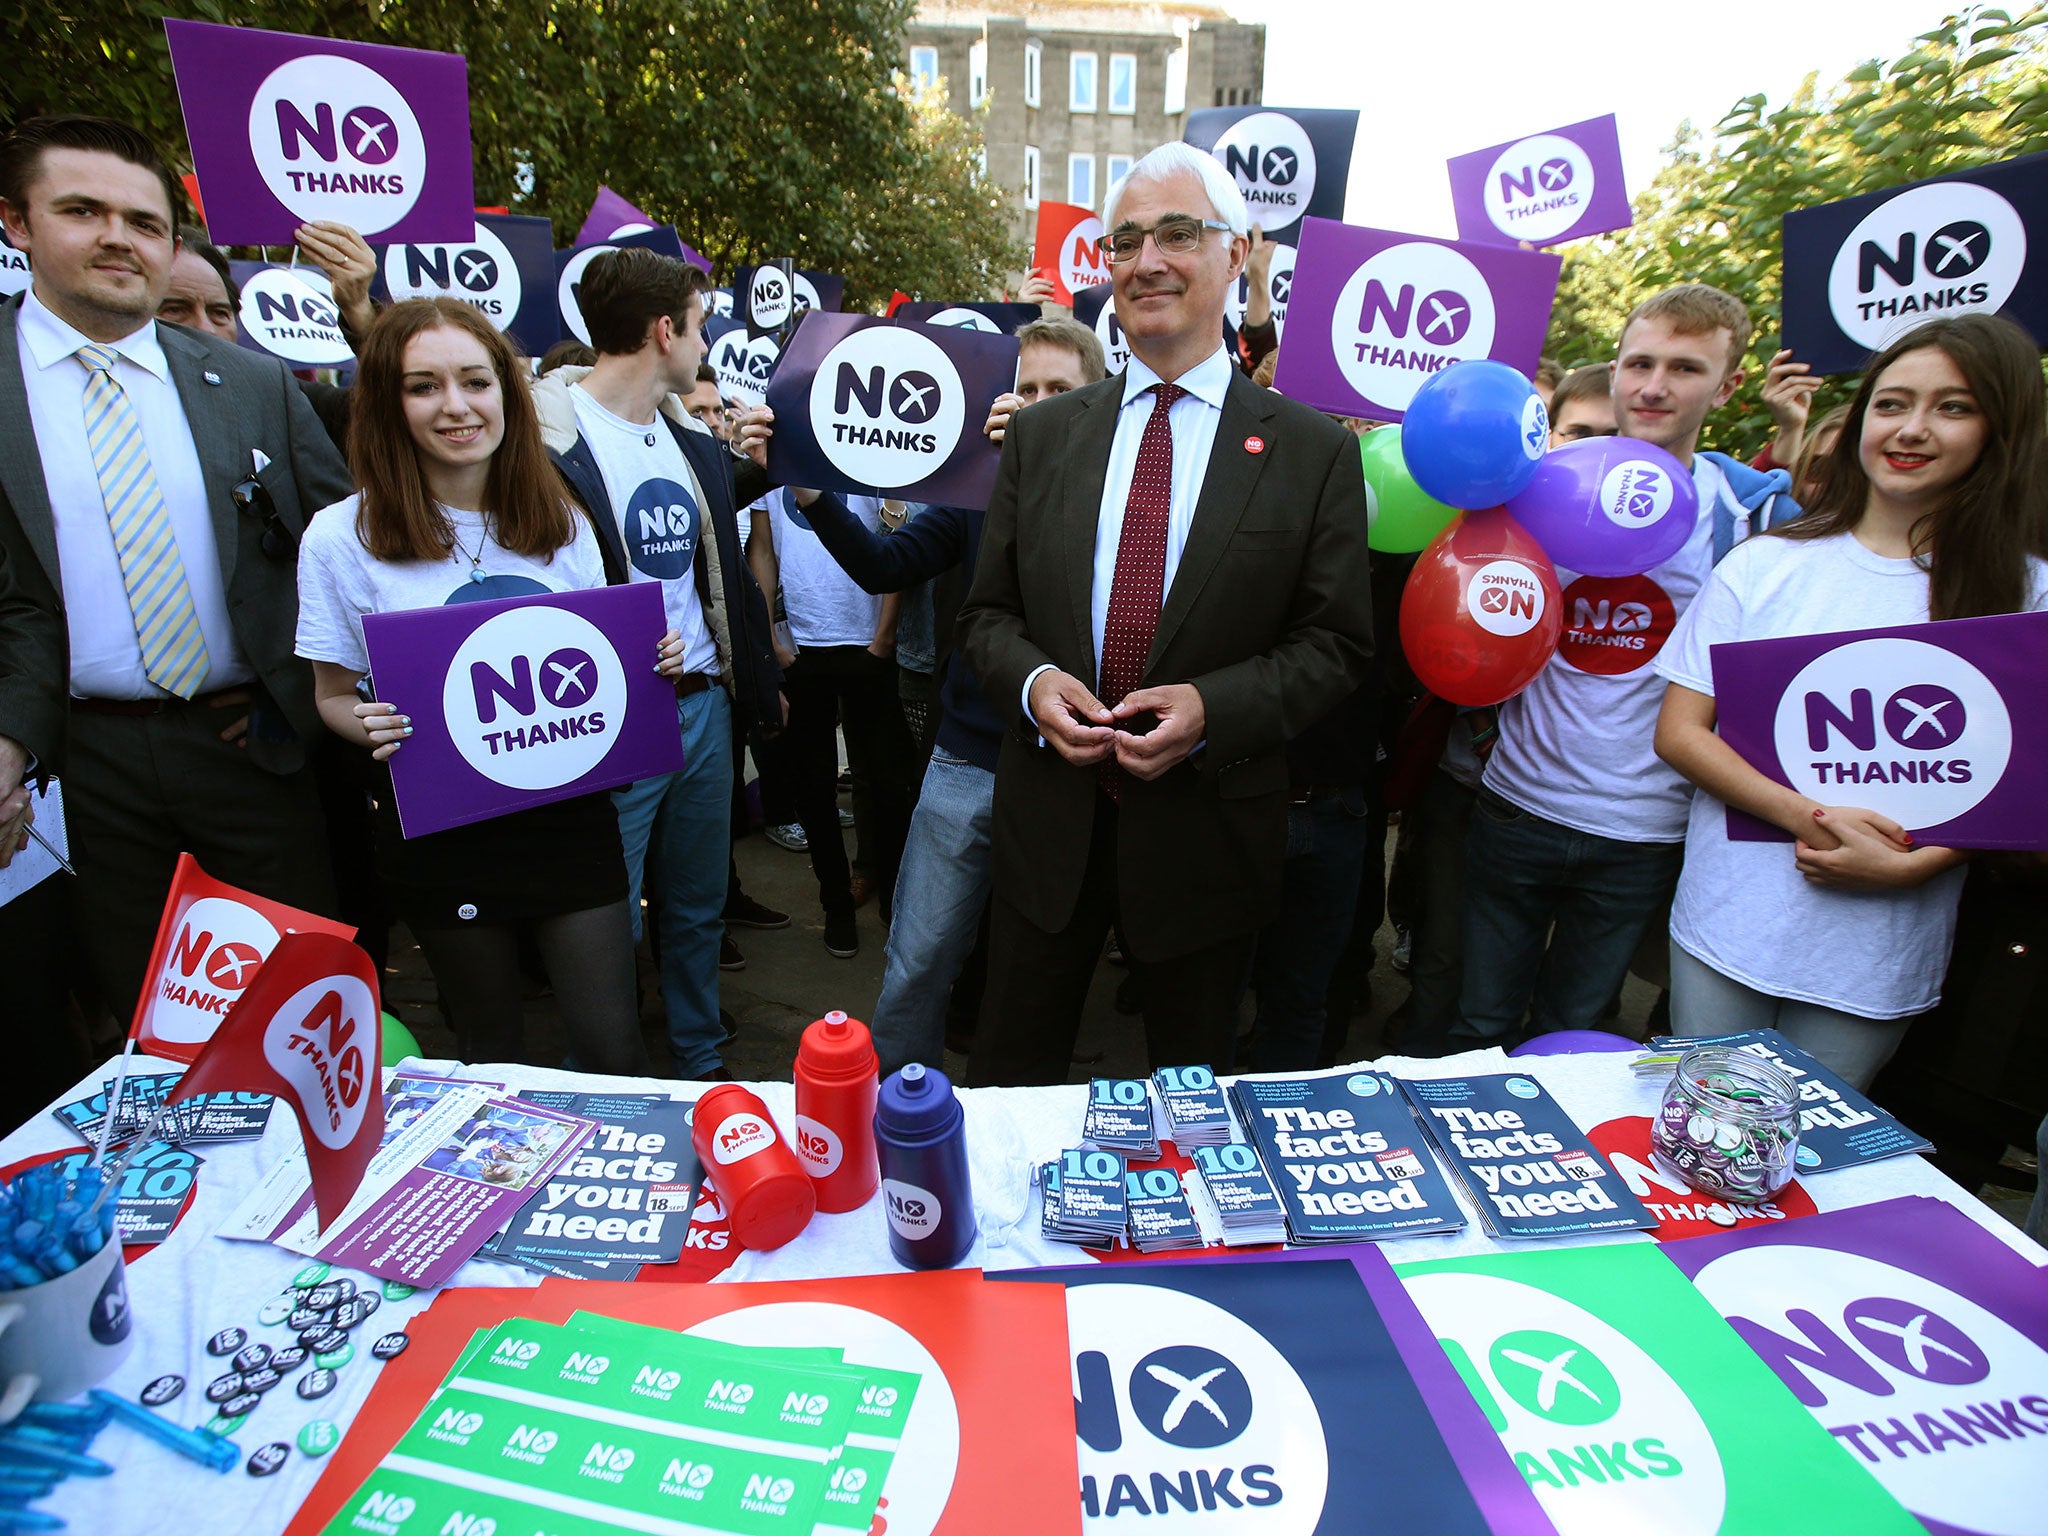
[(16, 1452), (28, 1485), (64, 1415), (12, 1519), (201, 1445)]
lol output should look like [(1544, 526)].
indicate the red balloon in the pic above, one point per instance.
[(1482, 611)]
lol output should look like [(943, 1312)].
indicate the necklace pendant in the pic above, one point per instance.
[(476, 574)]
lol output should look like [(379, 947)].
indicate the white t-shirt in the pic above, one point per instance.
[(1577, 746), (658, 506), (825, 605), (1743, 907), (340, 581)]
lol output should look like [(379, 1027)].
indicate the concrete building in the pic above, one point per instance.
[(1078, 89)]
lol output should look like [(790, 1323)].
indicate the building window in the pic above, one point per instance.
[(1119, 168), (1081, 180), (924, 67), (1176, 82), (1031, 74), (1123, 82), (977, 73), (1030, 175), (1081, 83)]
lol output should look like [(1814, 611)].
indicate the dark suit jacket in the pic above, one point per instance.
[(256, 405), (1269, 616)]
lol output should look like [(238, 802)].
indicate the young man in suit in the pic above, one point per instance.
[(659, 488), (1172, 583), (153, 484)]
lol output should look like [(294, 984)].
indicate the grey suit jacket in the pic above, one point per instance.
[(238, 402), (1269, 616)]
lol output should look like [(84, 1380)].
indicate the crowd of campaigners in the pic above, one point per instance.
[(1150, 702)]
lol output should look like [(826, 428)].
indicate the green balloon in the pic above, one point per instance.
[(398, 1042), (1402, 520)]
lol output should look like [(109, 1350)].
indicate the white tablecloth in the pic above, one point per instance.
[(196, 1284)]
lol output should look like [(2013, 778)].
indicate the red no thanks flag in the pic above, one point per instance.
[(308, 1029), (212, 941), (1066, 250)]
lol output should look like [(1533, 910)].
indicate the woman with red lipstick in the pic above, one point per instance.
[(456, 503), (1933, 506)]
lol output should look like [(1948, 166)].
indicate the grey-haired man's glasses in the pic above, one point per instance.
[(1174, 237)]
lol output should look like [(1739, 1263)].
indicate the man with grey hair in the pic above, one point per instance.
[(1172, 583)]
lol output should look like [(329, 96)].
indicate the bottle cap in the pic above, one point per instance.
[(916, 1104), (837, 1047)]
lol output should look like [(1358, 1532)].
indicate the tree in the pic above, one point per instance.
[(1972, 90), (762, 128)]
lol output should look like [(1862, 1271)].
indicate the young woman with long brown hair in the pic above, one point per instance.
[(1932, 506), (457, 502)]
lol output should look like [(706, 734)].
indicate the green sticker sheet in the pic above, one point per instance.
[(1629, 1405), (623, 1427)]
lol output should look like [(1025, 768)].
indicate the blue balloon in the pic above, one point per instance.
[(1474, 434), (1609, 506)]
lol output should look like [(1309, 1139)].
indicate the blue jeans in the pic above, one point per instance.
[(1528, 881), (940, 891), (686, 817), (1298, 950)]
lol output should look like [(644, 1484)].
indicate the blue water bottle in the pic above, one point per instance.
[(921, 1136)]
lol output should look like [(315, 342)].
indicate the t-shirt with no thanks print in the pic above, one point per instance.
[(1743, 907), (340, 581), (1578, 745)]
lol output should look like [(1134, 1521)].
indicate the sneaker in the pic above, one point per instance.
[(789, 835), (1404, 947), (729, 956), (845, 817), (745, 912), (842, 938)]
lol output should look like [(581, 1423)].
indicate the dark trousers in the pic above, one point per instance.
[(1435, 827), (141, 789), (847, 685), (1038, 982), (1299, 950), (46, 1054)]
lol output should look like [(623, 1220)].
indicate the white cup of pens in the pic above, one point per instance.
[(64, 1322)]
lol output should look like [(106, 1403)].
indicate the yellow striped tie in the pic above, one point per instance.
[(166, 623)]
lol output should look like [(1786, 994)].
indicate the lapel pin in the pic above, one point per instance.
[(1255, 445), (210, 376)]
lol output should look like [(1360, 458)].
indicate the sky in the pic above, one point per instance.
[(1444, 77)]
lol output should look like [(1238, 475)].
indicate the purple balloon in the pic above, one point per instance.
[(1568, 1042), (1608, 506)]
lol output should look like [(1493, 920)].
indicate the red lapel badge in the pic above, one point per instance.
[(1255, 445)]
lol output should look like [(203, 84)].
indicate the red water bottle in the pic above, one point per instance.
[(766, 1193), (835, 1111)]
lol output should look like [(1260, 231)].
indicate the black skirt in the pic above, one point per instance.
[(539, 862)]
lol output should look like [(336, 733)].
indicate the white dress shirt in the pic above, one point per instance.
[(106, 658), (1193, 417)]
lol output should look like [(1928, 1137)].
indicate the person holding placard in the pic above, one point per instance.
[(1578, 832), (153, 485), (1933, 506), (1172, 583), (660, 489), (457, 503)]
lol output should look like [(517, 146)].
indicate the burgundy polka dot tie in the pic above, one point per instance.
[(1139, 586)]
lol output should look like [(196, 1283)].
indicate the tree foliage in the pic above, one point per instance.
[(1972, 90), (762, 128)]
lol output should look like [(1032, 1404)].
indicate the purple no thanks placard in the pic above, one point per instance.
[(864, 404), (1547, 188), (1374, 314), (610, 215), (523, 701), (1938, 726), (1912, 1334), (285, 129)]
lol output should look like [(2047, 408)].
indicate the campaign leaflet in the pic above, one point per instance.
[(209, 1117), (1913, 1336), (624, 1199), (1629, 1405), (1529, 1170), (1838, 1127), (156, 1186), (1249, 1396), (1347, 1157)]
